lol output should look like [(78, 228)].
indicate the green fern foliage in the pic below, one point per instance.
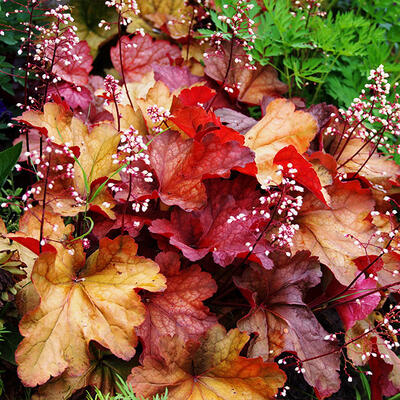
[(126, 393), (320, 56)]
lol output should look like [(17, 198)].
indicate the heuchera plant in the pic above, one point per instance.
[(170, 238)]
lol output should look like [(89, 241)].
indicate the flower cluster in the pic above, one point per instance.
[(241, 31), (372, 117), (113, 91)]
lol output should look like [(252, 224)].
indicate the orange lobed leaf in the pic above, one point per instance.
[(378, 169), (172, 16), (179, 310), (83, 301), (281, 126), (158, 95), (95, 148), (63, 387), (214, 372), (55, 232), (135, 98), (329, 233)]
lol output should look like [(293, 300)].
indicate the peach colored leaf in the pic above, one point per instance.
[(179, 310), (181, 165), (329, 233), (63, 387), (250, 84), (388, 275), (215, 371), (83, 301), (355, 153), (282, 321), (160, 96), (139, 53), (53, 226), (281, 126), (54, 232), (128, 108)]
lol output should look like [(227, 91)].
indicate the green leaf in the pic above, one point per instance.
[(365, 383), (394, 34), (8, 159)]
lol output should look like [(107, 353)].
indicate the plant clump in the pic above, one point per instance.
[(189, 217)]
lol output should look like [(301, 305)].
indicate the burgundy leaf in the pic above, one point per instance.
[(174, 77), (283, 322), (227, 226)]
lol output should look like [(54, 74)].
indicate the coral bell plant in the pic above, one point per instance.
[(187, 228)]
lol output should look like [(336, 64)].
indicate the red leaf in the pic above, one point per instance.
[(132, 224), (290, 159), (74, 64), (179, 310), (353, 311), (211, 229), (139, 53), (364, 261), (181, 166), (33, 245), (134, 187), (197, 122), (196, 95)]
